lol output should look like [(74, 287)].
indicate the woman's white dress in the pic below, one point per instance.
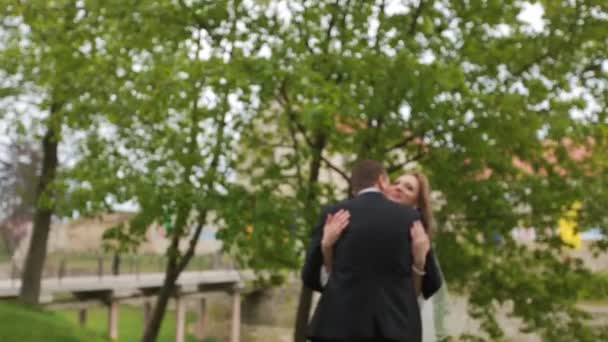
[(433, 312), (428, 319)]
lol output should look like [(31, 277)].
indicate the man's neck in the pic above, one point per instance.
[(369, 189)]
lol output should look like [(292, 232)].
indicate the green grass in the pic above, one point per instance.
[(131, 323), (21, 324)]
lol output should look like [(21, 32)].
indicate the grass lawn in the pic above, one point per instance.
[(20, 324), (131, 323)]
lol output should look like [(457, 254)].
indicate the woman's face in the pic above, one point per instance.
[(404, 190)]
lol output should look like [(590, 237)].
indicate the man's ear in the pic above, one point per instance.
[(383, 182)]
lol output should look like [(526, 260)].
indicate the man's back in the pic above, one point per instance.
[(370, 292)]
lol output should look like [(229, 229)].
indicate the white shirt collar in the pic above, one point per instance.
[(370, 189)]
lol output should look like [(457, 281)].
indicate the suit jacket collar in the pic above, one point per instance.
[(371, 191)]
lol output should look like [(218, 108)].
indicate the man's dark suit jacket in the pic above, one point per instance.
[(370, 292)]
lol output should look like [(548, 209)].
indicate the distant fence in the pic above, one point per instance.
[(60, 265)]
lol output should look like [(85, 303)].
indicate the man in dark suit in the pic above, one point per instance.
[(370, 295)]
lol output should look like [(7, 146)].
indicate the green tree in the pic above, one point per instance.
[(471, 93), (50, 58), (172, 116)]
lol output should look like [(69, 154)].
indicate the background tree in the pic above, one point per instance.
[(490, 106), (50, 56), (173, 115), (19, 171)]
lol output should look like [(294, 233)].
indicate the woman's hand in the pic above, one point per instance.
[(421, 244), (334, 225)]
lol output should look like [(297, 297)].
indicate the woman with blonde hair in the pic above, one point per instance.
[(413, 189)]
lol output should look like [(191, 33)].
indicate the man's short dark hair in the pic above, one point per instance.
[(365, 174)]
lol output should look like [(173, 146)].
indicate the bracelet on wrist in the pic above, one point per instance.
[(418, 271)]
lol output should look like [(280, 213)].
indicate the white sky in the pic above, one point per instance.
[(532, 14)]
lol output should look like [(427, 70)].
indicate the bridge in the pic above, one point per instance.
[(85, 291)]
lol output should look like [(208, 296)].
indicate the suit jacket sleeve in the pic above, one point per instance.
[(311, 272), (433, 278)]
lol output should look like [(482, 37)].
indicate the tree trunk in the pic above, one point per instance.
[(305, 300), (304, 304), (158, 313), (175, 267), (36, 254), (116, 264)]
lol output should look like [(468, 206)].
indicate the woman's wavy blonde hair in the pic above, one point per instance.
[(424, 201)]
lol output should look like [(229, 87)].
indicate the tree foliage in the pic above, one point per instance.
[(506, 117), (49, 60)]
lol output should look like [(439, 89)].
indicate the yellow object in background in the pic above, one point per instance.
[(567, 226)]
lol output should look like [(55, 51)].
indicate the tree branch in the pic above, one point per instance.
[(296, 149), (210, 176), (199, 21), (336, 169), (291, 115), (416, 157), (396, 167), (534, 61), (380, 20), (406, 140), (343, 21), (193, 242), (366, 141), (304, 38), (377, 129), (552, 50), (332, 23), (402, 143), (417, 13)]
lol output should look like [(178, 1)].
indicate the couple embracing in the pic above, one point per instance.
[(370, 257)]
